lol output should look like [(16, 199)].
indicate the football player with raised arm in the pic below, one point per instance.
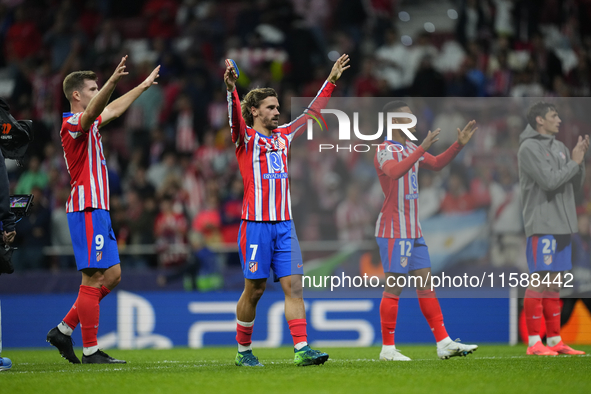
[(398, 231), (267, 237), (93, 239)]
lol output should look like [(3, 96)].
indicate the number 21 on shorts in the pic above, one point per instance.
[(548, 249)]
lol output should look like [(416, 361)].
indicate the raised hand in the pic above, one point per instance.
[(465, 135), (229, 79), (430, 139), (578, 154), (339, 66), (120, 70), (151, 79)]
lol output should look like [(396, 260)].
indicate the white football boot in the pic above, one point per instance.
[(454, 349), (390, 353)]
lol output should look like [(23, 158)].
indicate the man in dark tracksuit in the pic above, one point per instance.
[(548, 178), (6, 217), (8, 233)]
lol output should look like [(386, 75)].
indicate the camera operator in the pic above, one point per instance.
[(8, 234), (14, 140), (7, 218)]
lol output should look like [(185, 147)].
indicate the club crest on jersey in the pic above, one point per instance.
[(276, 161), (548, 259), (562, 156), (99, 256), (253, 266), (403, 261), (279, 144)]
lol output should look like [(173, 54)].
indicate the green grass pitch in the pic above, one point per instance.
[(491, 369)]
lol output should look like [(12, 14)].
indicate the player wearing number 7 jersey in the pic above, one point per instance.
[(267, 237), (548, 178), (398, 231), (95, 246)]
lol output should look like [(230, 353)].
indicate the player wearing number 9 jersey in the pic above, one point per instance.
[(549, 179), (267, 238), (398, 231), (93, 239)]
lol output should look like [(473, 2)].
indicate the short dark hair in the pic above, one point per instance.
[(394, 105), (75, 81), (254, 98), (540, 108)]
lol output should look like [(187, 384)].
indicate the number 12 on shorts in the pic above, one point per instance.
[(405, 248)]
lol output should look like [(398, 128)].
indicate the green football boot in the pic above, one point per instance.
[(307, 356), (247, 359)]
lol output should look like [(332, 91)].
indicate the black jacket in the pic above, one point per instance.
[(6, 217)]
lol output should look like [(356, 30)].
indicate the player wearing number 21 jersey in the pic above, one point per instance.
[(267, 238), (549, 180), (398, 231)]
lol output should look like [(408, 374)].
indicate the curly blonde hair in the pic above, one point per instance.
[(254, 98)]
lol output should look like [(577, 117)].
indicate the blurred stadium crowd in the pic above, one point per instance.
[(173, 173)]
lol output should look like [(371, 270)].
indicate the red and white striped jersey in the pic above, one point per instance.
[(399, 216), (263, 160), (83, 151)]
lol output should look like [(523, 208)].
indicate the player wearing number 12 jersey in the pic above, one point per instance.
[(267, 237), (93, 240), (398, 231)]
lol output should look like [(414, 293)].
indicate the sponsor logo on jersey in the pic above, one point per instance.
[(253, 266), (281, 175), (276, 161), (412, 196), (414, 185)]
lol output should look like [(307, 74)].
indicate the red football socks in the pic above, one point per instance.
[(244, 333), (88, 312), (551, 308), (388, 316), (104, 292), (297, 328), (532, 305), (72, 319), (432, 311)]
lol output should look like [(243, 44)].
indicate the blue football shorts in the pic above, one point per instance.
[(266, 245), (93, 239), (401, 255), (549, 253)]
